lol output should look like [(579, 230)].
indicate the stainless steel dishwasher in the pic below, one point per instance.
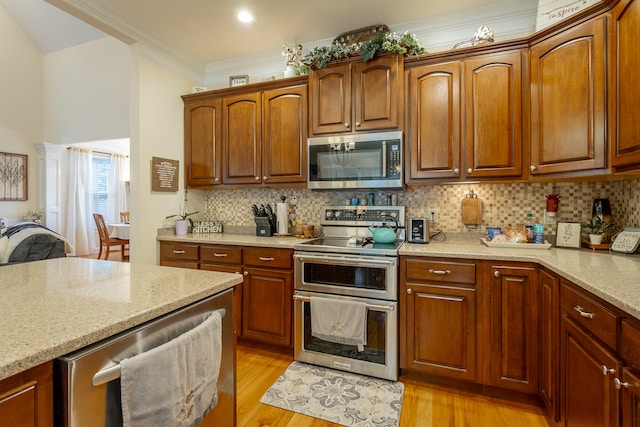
[(83, 379)]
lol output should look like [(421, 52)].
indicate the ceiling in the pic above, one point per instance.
[(204, 32)]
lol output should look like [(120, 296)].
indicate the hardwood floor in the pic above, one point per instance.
[(113, 256), (423, 405)]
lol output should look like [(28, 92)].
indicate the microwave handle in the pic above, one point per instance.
[(384, 159)]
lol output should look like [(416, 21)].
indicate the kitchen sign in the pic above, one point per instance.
[(164, 174)]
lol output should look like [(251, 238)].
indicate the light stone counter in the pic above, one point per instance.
[(53, 307), (613, 277), (234, 239)]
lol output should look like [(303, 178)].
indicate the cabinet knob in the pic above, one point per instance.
[(532, 168), (216, 179), (496, 273), (264, 178), (469, 170), (619, 384), (409, 291), (246, 273), (584, 313), (257, 178), (606, 370), (357, 124), (456, 171), (346, 125)]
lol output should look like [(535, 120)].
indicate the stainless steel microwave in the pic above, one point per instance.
[(368, 160)]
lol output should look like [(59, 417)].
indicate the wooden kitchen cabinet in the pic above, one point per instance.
[(268, 296), (549, 341), (439, 317), (26, 399), (514, 326), (202, 144), (629, 386), (625, 63), (568, 102), (466, 118), (357, 96), (241, 139)]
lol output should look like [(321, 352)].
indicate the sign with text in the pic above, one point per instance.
[(164, 174), (201, 227), (552, 11)]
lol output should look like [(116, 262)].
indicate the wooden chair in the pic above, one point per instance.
[(106, 241), (124, 217)]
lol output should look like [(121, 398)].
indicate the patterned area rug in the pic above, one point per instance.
[(339, 397)]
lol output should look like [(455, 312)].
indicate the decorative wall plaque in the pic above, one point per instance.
[(13, 177), (238, 80), (164, 174)]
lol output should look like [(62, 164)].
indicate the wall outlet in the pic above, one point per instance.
[(432, 215)]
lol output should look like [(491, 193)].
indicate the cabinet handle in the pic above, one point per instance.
[(264, 258), (257, 178), (619, 384), (440, 272), (584, 313), (469, 170), (264, 178), (409, 291), (216, 179), (220, 254), (606, 370), (532, 168), (175, 251), (246, 273), (346, 125), (456, 171), (496, 273), (357, 124)]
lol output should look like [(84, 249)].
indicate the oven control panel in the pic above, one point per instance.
[(363, 215)]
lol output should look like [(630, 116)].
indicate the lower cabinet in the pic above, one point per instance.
[(549, 341), (630, 397), (26, 399)]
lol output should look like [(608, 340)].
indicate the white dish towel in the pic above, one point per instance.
[(339, 321), (174, 384)]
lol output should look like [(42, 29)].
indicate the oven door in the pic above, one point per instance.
[(380, 355), (354, 275)]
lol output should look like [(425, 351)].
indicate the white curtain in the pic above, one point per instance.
[(80, 224), (118, 172)]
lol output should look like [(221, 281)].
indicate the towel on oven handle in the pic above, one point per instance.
[(339, 321)]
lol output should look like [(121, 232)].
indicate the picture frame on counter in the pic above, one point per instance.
[(568, 235), (235, 81)]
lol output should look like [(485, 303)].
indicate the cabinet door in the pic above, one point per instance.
[(434, 140), (630, 398), (568, 110), (202, 134), (493, 117), (26, 399), (241, 139), (284, 135), (626, 63), (549, 341), (267, 306), (440, 331), (514, 328), (237, 292), (330, 105), (587, 397), (377, 93)]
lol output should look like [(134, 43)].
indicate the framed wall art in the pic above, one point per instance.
[(13, 177), (164, 174), (568, 235)]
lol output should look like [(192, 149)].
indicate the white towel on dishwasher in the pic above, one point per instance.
[(339, 321), (174, 384)]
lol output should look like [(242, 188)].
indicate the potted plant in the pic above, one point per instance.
[(182, 224), (598, 227)]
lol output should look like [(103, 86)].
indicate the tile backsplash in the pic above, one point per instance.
[(503, 204)]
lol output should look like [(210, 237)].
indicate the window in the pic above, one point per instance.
[(100, 184)]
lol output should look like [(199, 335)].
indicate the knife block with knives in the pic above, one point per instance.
[(265, 220)]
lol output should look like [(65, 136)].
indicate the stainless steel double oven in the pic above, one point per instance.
[(346, 264)]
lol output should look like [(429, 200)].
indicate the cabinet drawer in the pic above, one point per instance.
[(221, 254), (630, 344), (590, 314), (179, 251), (268, 257), (441, 271)]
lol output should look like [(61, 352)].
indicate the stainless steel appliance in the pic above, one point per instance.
[(346, 264), (418, 230), (87, 381), (369, 160)]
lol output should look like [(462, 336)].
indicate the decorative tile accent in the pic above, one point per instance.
[(503, 204)]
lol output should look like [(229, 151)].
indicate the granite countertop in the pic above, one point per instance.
[(613, 277), (53, 307), (235, 239)]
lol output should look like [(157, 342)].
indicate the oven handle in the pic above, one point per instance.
[(369, 306), (344, 259)]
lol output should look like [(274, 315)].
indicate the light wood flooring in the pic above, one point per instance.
[(423, 405)]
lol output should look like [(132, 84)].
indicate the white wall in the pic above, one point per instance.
[(86, 92), (20, 106), (157, 131)]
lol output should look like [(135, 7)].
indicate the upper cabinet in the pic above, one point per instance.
[(465, 119), (254, 135), (625, 87), (568, 102), (357, 96)]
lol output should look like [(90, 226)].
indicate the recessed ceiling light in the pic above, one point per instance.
[(245, 16)]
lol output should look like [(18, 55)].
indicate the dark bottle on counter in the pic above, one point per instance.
[(528, 227)]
